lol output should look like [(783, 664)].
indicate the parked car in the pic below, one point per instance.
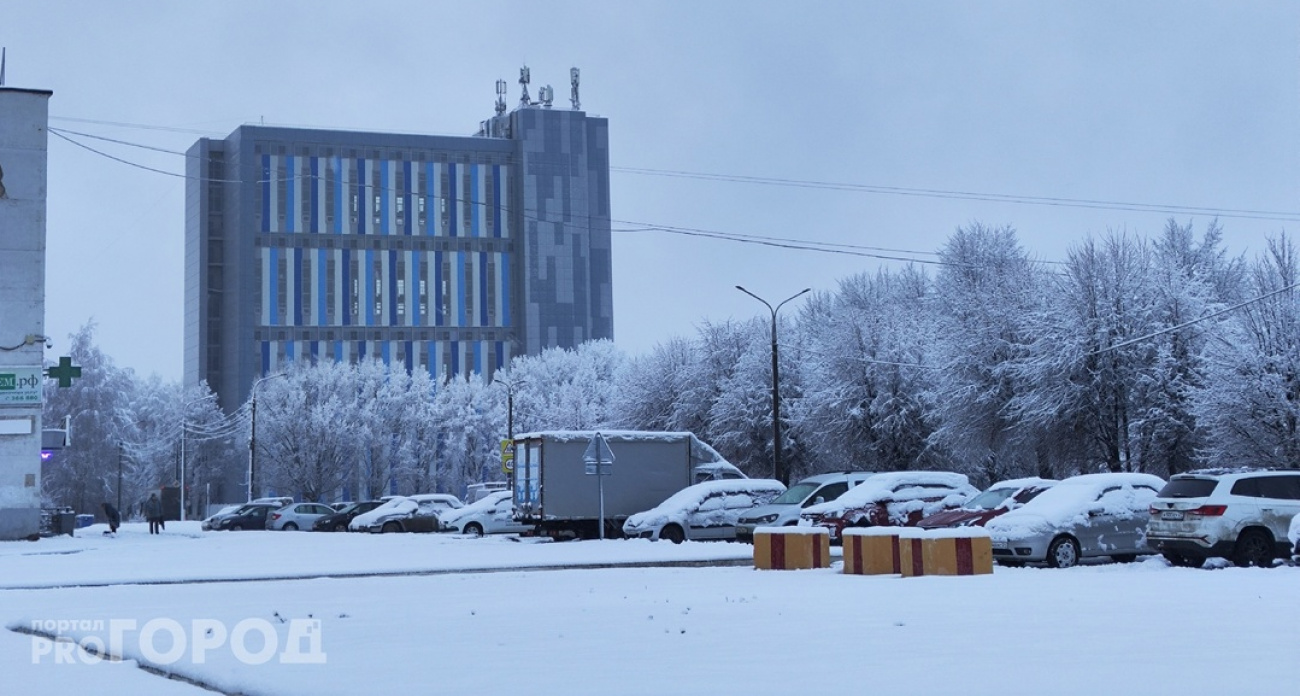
[(398, 515), (475, 492), (1293, 534), (338, 521), (297, 516), (340, 505), (716, 471), (250, 516), (784, 510), (439, 501), (1088, 516), (490, 515), (210, 523), (707, 510), (894, 498), (999, 498), (280, 500), (1240, 514)]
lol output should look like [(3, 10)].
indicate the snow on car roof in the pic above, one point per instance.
[(1024, 483), (879, 486)]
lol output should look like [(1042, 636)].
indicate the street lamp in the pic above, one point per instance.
[(510, 384), (778, 472), (252, 433)]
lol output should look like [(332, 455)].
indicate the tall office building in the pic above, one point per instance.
[(439, 253)]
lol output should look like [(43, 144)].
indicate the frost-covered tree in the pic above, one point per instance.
[(1081, 369), (866, 379), (1249, 405), (308, 430), (985, 291)]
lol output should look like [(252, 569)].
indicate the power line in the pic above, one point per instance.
[(1211, 315), (1284, 216)]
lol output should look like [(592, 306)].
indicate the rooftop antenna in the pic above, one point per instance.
[(501, 97), (573, 97), (523, 80), (546, 95), (2, 67)]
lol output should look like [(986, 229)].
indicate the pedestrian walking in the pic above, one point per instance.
[(114, 518), (153, 513)]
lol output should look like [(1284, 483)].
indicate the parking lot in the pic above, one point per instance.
[(1143, 627)]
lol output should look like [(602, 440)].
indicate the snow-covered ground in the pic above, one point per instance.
[(1136, 628)]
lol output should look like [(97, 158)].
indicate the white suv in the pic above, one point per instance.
[(1239, 514)]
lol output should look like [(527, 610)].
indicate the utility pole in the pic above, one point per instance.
[(252, 435)]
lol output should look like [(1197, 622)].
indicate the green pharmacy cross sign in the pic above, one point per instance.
[(65, 372)]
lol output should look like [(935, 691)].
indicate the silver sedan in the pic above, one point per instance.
[(1089, 516)]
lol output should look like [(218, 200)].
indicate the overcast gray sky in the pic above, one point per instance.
[(1190, 104)]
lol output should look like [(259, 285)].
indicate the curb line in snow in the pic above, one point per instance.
[(722, 562)]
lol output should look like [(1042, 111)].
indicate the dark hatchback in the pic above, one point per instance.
[(999, 498), (338, 522), (251, 516)]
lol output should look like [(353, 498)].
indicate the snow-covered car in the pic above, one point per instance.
[(438, 501), (475, 492), (707, 510), (716, 471), (1241, 514), (784, 510), (490, 515), (1000, 498), (1088, 516), (297, 516), (891, 499), (210, 522), (400, 514)]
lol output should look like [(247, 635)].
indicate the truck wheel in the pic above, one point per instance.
[(672, 533)]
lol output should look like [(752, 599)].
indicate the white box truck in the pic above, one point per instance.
[(554, 492)]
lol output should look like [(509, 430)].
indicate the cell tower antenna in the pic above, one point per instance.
[(501, 97), (2, 67), (523, 81), (573, 96)]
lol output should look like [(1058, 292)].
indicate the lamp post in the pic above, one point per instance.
[(778, 472), (509, 384), (252, 434)]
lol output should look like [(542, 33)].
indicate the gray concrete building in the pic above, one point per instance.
[(24, 121)]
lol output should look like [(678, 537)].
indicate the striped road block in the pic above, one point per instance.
[(872, 551), (955, 551), (792, 548)]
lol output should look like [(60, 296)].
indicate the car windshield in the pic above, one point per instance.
[(795, 494), (349, 508), (989, 499)]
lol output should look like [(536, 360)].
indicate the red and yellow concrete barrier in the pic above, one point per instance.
[(912, 552), (872, 551), (792, 548)]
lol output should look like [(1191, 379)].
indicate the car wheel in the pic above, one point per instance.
[(340, 527), (1063, 553), (390, 527), (1124, 557), (236, 527), (1254, 548), (474, 529), (290, 527), (672, 533)]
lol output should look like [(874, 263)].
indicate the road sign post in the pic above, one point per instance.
[(599, 459)]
